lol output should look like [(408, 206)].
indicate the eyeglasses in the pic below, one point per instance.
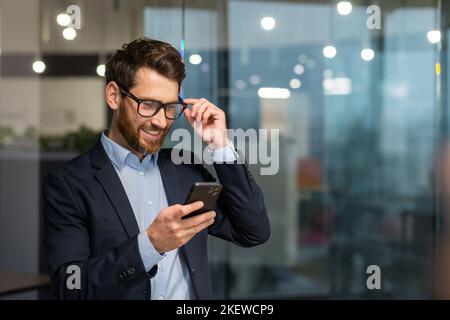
[(148, 108)]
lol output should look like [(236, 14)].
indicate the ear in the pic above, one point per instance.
[(113, 95)]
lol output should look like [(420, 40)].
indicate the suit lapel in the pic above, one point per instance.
[(107, 176)]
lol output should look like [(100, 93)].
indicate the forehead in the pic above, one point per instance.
[(151, 84)]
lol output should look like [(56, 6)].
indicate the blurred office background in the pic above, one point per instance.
[(362, 116)]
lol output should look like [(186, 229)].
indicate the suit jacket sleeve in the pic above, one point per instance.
[(66, 227), (241, 215)]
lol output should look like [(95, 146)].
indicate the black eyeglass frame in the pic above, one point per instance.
[(159, 103)]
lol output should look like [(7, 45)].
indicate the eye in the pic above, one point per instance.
[(150, 104), (173, 111), (148, 108)]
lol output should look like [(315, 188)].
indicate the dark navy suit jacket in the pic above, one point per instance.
[(89, 223)]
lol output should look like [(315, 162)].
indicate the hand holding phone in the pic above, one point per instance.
[(169, 231)]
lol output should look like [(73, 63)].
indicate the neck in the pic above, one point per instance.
[(115, 135)]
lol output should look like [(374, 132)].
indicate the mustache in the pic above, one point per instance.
[(152, 127)]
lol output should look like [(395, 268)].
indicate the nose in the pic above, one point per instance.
[(159, 120)]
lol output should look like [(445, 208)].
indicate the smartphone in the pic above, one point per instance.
[(208, 192)]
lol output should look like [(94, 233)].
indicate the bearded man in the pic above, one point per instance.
[(113, 215)]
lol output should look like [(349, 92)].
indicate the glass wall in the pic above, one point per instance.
[(359, 135), (355, 90)]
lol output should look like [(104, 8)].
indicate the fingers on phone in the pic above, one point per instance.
[(188, 208), (200, 219), (206, 223)]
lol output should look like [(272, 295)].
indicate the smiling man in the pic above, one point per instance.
[(115, 212)]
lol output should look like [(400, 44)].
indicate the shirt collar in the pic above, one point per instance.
[(119, 154)]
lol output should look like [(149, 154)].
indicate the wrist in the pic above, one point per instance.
[(219, 143), (154, 242)]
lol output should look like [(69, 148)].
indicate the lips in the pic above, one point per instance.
[(152, 133)]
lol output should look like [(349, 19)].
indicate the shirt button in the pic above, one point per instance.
[(160, 266), (149, 202), (141, 173), (161, 298)]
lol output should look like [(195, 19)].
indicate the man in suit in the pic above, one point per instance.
[(114, 213)]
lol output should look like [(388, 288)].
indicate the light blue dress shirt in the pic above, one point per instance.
[(143, 185)]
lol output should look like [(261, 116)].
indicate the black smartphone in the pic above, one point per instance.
[(208, 192)]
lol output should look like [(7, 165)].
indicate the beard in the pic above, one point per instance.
[(132, 134)]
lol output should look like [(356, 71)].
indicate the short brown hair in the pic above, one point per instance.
[(144, 52)]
